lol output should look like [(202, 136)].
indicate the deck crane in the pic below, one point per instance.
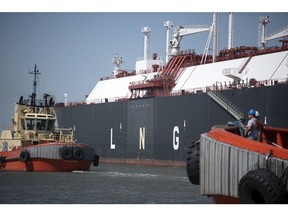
[(282, 33), (262, 33), (183, 31), (188, 30)]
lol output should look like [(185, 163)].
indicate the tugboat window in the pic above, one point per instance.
[(41, 124), (30, 124), (50, 126)]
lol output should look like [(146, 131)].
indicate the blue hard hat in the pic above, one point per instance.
[(252, 112)]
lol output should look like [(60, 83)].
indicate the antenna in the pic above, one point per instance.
[(117, 60), (35, 73)]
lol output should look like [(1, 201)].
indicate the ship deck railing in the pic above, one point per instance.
[(218, 86)]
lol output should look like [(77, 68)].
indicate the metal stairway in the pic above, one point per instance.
[(236, 112)]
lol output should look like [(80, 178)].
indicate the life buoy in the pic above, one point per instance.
[(262, 186), (66, 153), (78, 153), (24, 156), (192, 163)]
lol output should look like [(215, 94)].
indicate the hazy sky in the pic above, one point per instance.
[(74, 50)]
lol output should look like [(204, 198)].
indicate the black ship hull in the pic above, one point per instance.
[(161, 128)]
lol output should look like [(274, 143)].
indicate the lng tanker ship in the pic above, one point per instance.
[(152, 114)]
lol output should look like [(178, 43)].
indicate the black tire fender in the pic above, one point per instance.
[(262, 186), (96, 160), (2, 159), (78, 153), (66, 153), (193, 163), (24, 156)]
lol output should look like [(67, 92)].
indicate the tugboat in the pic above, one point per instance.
[(233, 169), (34, 144)]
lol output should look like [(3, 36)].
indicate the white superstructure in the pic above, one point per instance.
[(263, 67)]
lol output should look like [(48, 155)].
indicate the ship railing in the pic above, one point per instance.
[(149, 58), (113, 77), (107, 78), (8, 127), (218, 86), (137, 83), (65, 135), (106, 100)]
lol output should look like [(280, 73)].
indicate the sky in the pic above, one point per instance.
[(74, 49)]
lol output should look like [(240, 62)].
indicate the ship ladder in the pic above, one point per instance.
[(224, 102), (244, 65)]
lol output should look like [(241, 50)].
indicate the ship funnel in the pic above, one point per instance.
[(146, 31)]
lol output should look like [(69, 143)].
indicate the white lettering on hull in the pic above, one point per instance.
[(142, 138), (112, 146), (176, 138)]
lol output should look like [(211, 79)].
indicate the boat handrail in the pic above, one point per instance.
[(218, 87)]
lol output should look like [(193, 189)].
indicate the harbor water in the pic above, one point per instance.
[(109, 183)]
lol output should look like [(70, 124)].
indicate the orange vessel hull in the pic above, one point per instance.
[(270, 134), (219, 199), (12, 161), (46, 165)]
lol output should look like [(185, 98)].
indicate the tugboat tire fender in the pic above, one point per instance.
[(2, 159), (262, 186), (96, 160), (66, 153), (24, 156), (78, 154), (193, 163)]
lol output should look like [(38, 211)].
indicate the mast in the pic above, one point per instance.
[(262, 31), (230, 31), (215, 35), (117, 60), (168, 25), (146, 31), (36, 72)]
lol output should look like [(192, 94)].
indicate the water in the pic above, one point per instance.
[(106, 184)]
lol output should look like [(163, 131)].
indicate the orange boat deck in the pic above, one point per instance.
[(272, 139), (226, 157)]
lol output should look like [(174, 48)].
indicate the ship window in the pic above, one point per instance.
[(41, 124), (50, 124), (30, 124)]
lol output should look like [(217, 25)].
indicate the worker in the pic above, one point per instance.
[(252, 128), (260, 125)]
